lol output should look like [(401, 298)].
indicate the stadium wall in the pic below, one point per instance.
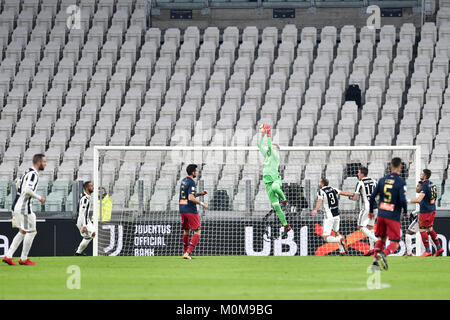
[(162, 236), (242, 18)]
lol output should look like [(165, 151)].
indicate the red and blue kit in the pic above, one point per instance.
[(428, 204), (188, 209), (392, 199)]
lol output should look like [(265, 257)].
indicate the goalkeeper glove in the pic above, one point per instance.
[(268, 130), (262, 129)]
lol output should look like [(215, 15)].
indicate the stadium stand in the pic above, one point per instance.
[(115, 81)]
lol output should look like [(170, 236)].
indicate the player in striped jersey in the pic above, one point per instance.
[(364, 189), (23, 215), (84, 222), (328, 196)]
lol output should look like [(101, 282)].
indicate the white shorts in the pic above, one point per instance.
[(414, 226), (24, 221), (89, 231), (364, 220), (330, 224)]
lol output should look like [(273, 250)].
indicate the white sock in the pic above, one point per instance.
[(408, 242), (332, 239), (27, 242), (83, 244), (431, 242), (337, 239), (15, 244), (371, 235)]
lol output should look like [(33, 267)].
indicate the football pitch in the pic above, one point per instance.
[(225, 277)]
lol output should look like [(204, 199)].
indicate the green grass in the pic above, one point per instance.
[(228, 278)]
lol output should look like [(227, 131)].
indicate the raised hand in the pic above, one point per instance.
[(262, 129), (268, 130)]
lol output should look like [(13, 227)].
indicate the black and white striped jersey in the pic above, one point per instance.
[(365, 187), (83, 210), (26, 190), (330, 197)]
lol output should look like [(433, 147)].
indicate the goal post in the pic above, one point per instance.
[(143, 182)]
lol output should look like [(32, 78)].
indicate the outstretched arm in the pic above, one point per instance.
[(260, 141), (418, 199), (269, 138), (348, 194), (262, 149)]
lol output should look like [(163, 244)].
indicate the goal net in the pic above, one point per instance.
[(143, 184)]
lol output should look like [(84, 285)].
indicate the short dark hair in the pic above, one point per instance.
[(427, 173), (325, 181), (85, 185), (38, 157), (364, 170), (191, 168), (396, 162)]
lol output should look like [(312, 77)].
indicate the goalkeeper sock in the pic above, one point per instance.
[(83, 245), (280, 213), (27, 242), (276, 188), (15, 244), (185, 242), (194, 242), (371, 235), (408, 242)]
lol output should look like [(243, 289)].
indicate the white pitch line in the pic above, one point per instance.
[(383, 285)]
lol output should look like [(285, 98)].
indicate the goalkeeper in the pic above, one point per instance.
[(271, 177)]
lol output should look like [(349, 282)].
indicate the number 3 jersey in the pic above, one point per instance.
[(392, 192), (329, 195)]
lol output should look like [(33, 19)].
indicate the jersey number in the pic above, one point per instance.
[(369, 189), (434, 194), (331, 198), (387, 194)]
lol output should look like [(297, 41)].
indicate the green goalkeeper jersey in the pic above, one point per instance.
[(271, 161)]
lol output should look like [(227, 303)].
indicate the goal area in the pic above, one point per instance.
[(143, 184)]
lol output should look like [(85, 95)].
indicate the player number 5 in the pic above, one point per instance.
[(388, 195)]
